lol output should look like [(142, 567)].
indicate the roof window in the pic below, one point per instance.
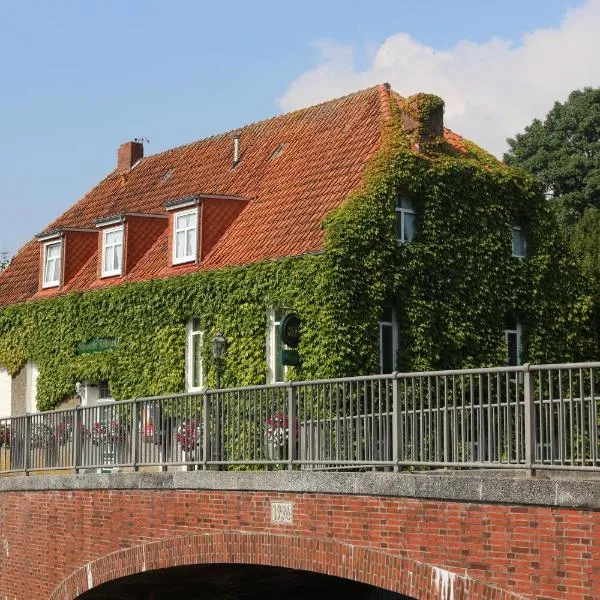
[(277, 151), (52, 264), (185, 235)]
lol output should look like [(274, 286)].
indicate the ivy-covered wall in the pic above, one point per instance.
[(452, 288)]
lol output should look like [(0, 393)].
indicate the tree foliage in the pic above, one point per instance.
[(4, 259), (563, 151)]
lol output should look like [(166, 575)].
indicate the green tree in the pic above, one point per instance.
[(4, 259), (585, 241), (563, 151)]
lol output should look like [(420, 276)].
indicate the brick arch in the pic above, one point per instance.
[(395, 573)]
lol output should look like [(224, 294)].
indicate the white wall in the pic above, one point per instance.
[(5, 393)]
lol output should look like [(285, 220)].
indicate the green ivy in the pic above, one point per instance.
[(452, 288)]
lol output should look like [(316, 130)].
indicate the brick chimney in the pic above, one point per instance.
[(423, 118), (129, 153)]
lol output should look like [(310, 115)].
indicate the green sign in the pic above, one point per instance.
[(290, 330), (290, 358), (97, 345)]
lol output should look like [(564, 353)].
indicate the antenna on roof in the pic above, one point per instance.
[(141, 140)]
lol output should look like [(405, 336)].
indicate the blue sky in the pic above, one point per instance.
[(79, 78)]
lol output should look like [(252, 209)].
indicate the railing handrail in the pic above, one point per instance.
[(456, 418)]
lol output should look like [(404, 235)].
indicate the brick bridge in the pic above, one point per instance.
[(442, 536)]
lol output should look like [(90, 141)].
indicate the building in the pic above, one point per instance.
[(393, 242)]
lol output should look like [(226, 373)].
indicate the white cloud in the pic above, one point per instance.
[(492, 90)]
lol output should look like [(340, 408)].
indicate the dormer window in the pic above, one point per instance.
[(52, 264), (112, 252), (185, 229), (406, 220), (519, 242)]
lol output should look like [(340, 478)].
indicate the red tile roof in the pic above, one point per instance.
[(294, 169)]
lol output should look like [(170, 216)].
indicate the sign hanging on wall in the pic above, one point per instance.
[(290, 330), (97, 345), (290, 358)]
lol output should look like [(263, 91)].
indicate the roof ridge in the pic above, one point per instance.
[(264, 121)]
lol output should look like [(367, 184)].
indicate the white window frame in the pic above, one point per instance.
[(177, 260), (400, 214), (518, 332), (112, 272), (275, 345), (520, 229), (191, 334), (31, 396), (54, 282), (394, 325)]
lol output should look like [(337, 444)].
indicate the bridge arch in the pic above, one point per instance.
[(399, 574)]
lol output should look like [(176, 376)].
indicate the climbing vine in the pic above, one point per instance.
[(452, 288)]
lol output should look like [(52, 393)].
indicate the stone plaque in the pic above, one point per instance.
[(282, 512)]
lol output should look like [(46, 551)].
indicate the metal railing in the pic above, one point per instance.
[(529, 417)]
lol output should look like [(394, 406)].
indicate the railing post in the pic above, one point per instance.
[(27, 444), (205, 430), (529, 405), (218, 437), (396, 414), (76, 435), (292, 433), (134, 436)]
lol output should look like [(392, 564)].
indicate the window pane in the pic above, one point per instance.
[(409, 227), (191, 243), (107, 262), (399, 226), (180, 244), (513, 348), (53, 251), (184, 221), (388, 314), (406, 203), (104, 390), (117, 257), (113, 237), (279, 367), (519, 246), (387, 349)]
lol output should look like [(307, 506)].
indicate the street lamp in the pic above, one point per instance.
[(219, 346)]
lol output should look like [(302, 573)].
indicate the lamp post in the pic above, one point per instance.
[(219, 346)]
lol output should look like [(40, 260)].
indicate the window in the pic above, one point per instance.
[(512, 335), (194, 372), (52, 252), (104, 391), (388, 340), (519, 243), (406, 220), (185, 225), (112, 252), (277, 370)]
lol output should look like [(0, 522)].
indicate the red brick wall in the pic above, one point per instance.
[(536, 552)]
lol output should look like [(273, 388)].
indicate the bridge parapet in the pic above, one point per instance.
[(425, 535)]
